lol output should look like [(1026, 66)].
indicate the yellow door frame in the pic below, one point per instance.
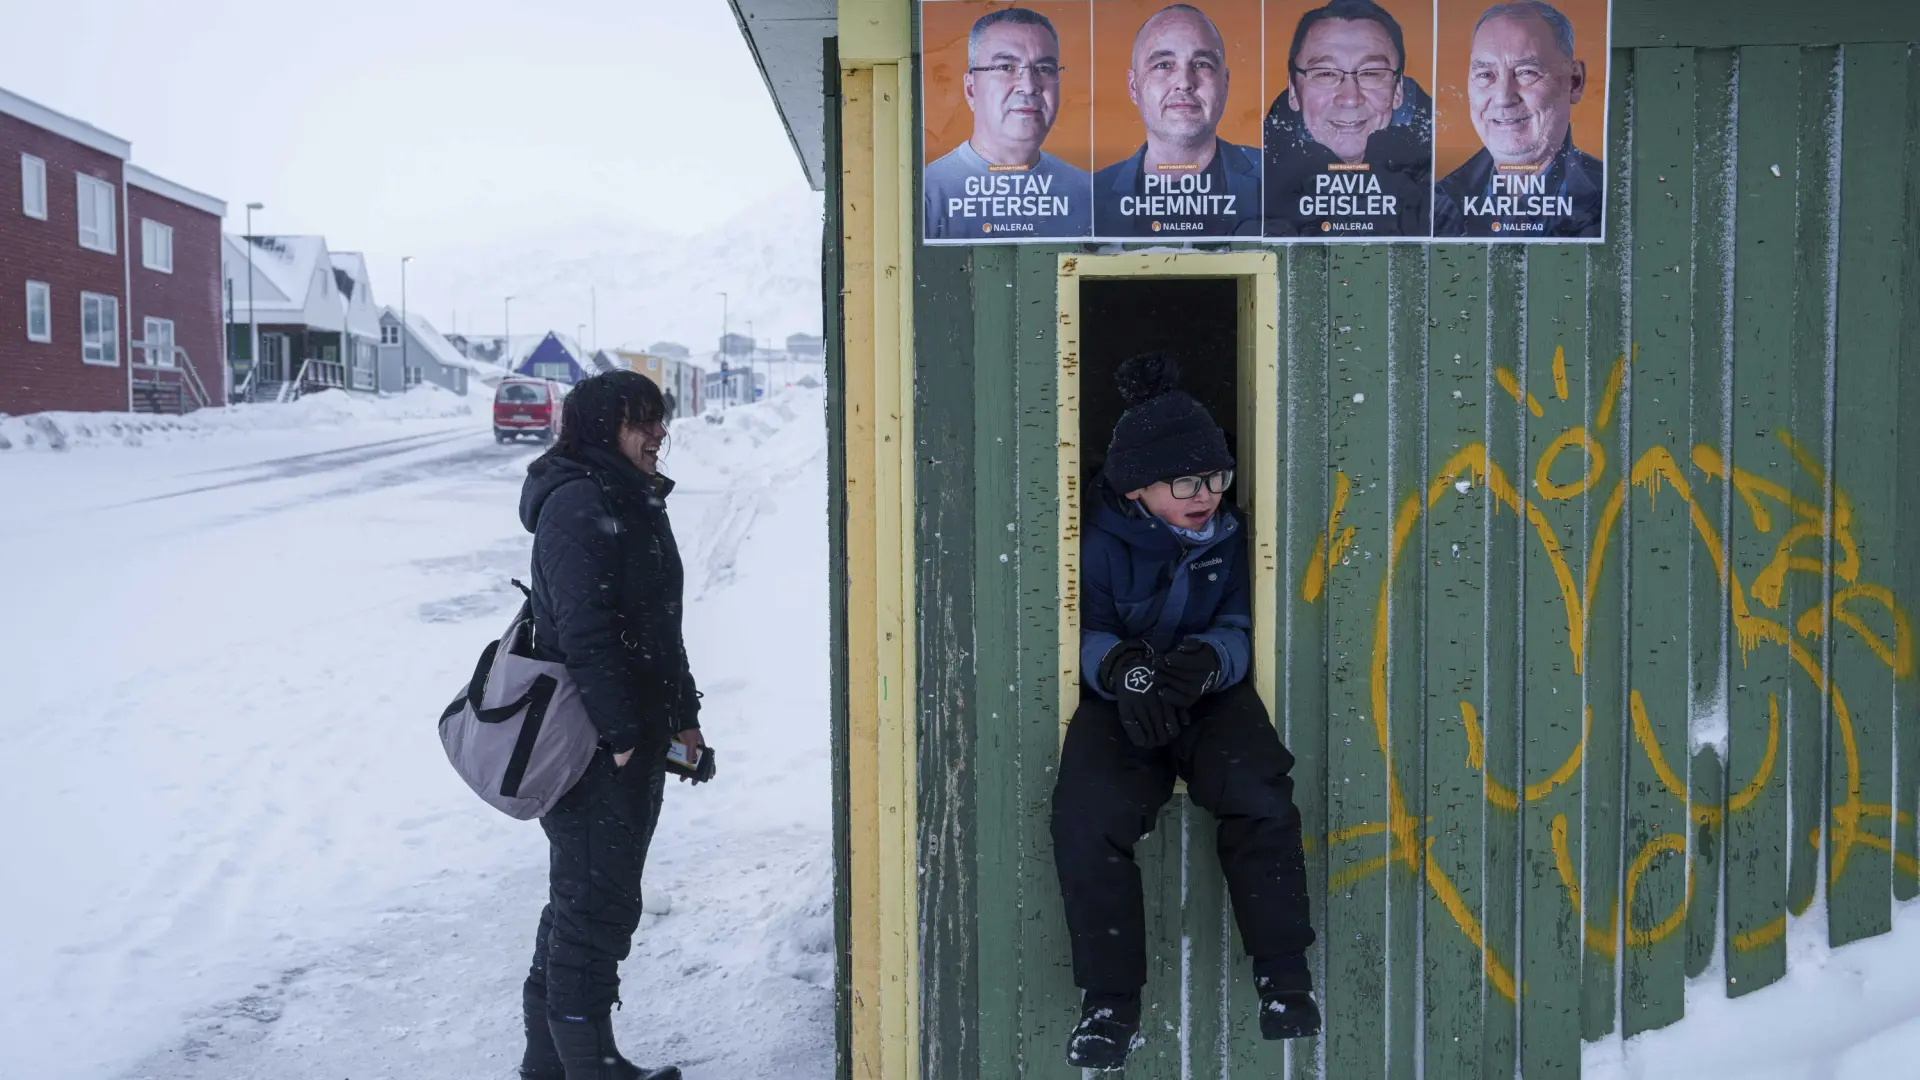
[(1258, 401)]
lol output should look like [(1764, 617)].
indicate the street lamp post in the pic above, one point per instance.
[(506, 347), (253, 329), (404, 325)]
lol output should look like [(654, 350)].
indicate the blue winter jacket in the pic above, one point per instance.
[(1140, 579)]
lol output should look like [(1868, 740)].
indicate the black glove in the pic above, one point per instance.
[(1127, 672), (1186, 674)]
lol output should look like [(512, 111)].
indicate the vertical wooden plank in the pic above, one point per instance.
[(1500, 708), (1807, 476), (999, 830), (1358, 815), (1866, 411), (857, 115), (1207, 958), (943, 428), (1609, 738), (1559, 470), (1161, 869), (1456, 556), (1660, 541), (1712, 430), (1399, 670), (1703, 911), (1050, 1004), (1756, 872), (832, 279), (1302, 712), (1906, 885)]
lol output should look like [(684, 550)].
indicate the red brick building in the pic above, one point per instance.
[(175, 315), (71, 243)]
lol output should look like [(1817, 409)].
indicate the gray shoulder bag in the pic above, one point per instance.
[(519, 734)]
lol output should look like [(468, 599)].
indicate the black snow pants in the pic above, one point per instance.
[(598, 835), (1107, 797)]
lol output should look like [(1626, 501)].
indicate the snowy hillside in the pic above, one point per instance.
[(248, 857), (651, 287)]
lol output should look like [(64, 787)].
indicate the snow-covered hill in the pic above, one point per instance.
[(650, 286)]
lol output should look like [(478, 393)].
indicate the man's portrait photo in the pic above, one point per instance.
[(1184, 180), (999, 184), (1529, 180), (1349, 141)]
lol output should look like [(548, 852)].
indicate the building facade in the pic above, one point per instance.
[(175, 313), (413, 352), (98, 251), (63, 280)]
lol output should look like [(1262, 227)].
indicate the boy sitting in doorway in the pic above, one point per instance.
[(1165, 651)]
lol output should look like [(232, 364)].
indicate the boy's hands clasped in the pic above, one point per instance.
[(1154, 692)]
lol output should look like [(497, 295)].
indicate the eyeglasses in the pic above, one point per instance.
[(1186, 487), (1330, 78), (1045, 71)]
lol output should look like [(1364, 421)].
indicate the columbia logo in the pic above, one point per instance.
[(1216, 561)]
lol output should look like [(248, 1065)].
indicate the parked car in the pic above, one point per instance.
[(526, 406)]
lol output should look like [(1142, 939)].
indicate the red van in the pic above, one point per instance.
[(524, 406)]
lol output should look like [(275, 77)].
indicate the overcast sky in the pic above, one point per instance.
[(420, 126)]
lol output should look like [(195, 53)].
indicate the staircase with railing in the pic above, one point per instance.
[(169, 387)]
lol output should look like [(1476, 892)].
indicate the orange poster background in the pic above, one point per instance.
[(1117, 130), (1454, 140), (1416, 26), (944, 25)]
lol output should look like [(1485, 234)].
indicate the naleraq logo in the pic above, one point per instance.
[(1140, 679)]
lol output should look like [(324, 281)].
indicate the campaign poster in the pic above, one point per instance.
[(1006, 96), (1348, 133), (1521, 121), (1176, 119)]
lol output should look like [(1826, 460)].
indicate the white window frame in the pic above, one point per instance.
[(96, 196), (158, 356), (389, 334), (156, 238), (103, 350), (33, 185), (45, 294)]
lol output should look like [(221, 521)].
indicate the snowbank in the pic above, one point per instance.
[(1851, 1013), (328, 408)]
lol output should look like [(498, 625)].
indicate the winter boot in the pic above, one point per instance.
[(1287, 1008), (541, 1061), (586, 1047), (1109, 1025)]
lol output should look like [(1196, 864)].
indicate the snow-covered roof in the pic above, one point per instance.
[(185, 196), (287, 262), (437, 345), (63, 125)]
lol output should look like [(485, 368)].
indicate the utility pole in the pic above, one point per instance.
[(405, 327), (506, 346), (726, 369), (753, 349), (253, 328), (593, 299)]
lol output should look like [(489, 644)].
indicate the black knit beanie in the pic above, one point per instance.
[(1164, 433)]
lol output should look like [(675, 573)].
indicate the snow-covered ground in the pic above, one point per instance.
[(1851, 1013), (235, 849)]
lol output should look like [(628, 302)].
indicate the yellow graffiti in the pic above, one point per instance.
[(1324, 558), (1869, 612)]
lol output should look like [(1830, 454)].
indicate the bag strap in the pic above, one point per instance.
[(537, 700)]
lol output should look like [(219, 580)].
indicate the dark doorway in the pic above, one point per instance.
[(1195, 319)]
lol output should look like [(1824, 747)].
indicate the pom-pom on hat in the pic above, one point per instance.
[(1164, 433)]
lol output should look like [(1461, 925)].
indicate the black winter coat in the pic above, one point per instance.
[(607, 585)]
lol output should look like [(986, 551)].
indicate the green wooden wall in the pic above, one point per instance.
[(1600, 677)]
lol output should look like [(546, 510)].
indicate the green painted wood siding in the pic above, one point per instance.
[(1644, 686)]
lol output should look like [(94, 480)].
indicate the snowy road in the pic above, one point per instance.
[(236, 850)]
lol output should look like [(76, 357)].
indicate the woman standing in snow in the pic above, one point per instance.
[(606, 602)]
